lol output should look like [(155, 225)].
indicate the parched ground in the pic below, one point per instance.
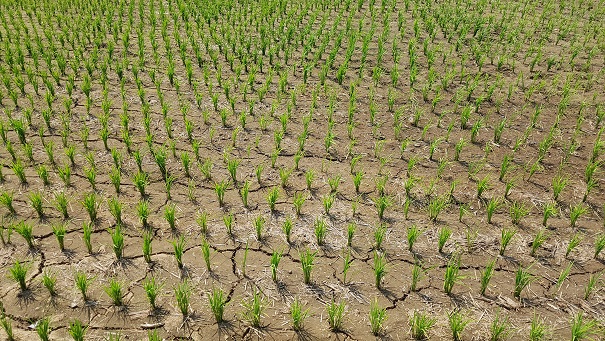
[(422, 102)]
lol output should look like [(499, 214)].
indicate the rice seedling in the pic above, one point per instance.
[(244, 191), (379, 234), (507, 236), (274, 156), (160, 157), (575, 212), (179, 248), (115, 208), (380, 268), (327, 202), (594, 282), (599, 245), (500, 328), (306, 261), (6, 324), (334, 182), (575, 240), (91, 204), (217, 300), (357, 177), (65, 174), (382, 203), (49, 281), (444, 235), (321, 230), (462, 210), (168, 181), (272, 197), (9, 232), (336, 315), (43, 329), (409, 185), (228, 221), (505, 166), (143, 212), (114, 291), (117, 239), (482, 186), (141, 181), (522, 279), (284, 175), (91, 176), (259, 223), (563, 275), (451, 276), (381, 183), (169, 215), (558, 185), (413, 233), (43, 174), (582, 329), (486, 276), (182, 292), (6, 199), (86, 236), (220, 188), (35, 200), (18, 272), (77, 330), (206, 253), (298, 201), (82, 282), (275, 258), (287, 228), (437, 205), (153, 290), (202, 222), (232, 166), (298, 315), (549, 210), (351, 227), (254, 309), (538, 329), (417, 274), (510, 184), (346, 265), (59, 231), (19, 169), (458, 322), (309, 177), (421, 325), (492, 206), (378, 316), (539, 239), (26, 231), (518, 210), (61, 203)]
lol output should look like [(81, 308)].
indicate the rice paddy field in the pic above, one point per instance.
[(302, 170)]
